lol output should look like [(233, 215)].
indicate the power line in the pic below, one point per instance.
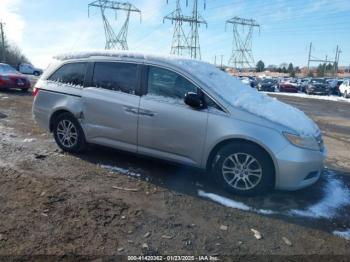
[(114, 41)]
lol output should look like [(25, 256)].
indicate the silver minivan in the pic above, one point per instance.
[(180, 110)]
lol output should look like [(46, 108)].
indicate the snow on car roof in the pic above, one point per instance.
[(228, 88)]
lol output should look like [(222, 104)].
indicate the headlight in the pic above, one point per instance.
[(308, 142)]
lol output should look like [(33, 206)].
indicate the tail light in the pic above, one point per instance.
[(35, 91)]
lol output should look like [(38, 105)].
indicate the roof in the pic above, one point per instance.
[(127, 55)]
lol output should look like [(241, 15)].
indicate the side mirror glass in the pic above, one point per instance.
[(194, 100)]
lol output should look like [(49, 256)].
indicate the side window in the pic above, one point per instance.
[(73, 74), (165, 83), (120, 77)]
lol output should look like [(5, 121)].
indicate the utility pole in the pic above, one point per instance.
[(222, 61), (186, 45), (308, 61), (242, 54), (3, 51), (322, 61), (114, 41), (215, 60)]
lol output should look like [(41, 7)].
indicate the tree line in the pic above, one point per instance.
[(321, 70), (10, 53)]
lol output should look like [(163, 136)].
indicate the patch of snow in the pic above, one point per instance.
[(4, 97), (120, 170), (29, 140), (303, 95), (336, 196), (233, 204), (225, 86), (344, 234)]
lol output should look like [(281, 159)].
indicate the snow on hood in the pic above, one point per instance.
[(227, 87), (241, 96)]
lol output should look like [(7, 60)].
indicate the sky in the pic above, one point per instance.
[(45, 28)]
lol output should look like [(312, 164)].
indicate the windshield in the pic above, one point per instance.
[(6, 69), (318, 80)]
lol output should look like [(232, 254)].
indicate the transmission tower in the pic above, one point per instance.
[(186, 44), (242, 54), (180, 45), (114, 41)]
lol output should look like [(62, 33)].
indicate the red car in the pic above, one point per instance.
[(11, 78), (288, 86)]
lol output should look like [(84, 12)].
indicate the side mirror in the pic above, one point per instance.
[(194, 100)]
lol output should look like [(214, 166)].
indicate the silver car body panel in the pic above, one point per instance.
[(173, 131)]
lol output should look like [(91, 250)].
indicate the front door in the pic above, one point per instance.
[(168, 128)]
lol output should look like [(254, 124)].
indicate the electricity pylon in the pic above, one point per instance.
[(242, 54), (114, 41), (182, 44), (196, 21)]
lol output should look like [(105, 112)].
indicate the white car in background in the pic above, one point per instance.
[(246, 81), (29, 69), (344, 88)]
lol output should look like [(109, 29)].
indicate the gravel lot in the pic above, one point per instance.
[(107, 202)]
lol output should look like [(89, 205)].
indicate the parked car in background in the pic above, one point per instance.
[(267, 84), (288, 86), (344, 88), (253, 81), (248, 141), (303, 83), (29, 69), (318, 86), (10, 78), (336, 90), (245, 80)]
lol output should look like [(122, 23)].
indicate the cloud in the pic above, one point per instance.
[(14, 23)]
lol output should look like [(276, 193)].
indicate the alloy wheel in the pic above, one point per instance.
[(242, 171), (67, 133)]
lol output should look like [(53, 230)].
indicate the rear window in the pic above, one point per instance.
[(72, 74), (121, 77)]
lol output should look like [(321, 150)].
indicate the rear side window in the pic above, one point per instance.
[(73, 74), (121, 77)]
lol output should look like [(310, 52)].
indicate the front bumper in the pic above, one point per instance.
[(298, 168)]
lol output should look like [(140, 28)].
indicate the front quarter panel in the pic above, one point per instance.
[(222, 127)]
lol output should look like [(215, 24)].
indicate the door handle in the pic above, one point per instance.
[(144, 112), (132, 110)]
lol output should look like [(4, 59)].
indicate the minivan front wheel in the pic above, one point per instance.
[(68, 134), (243, 169)]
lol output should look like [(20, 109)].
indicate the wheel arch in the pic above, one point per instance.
[(56, 114), (225, 142)]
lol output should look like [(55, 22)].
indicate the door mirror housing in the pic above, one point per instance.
[(194, 100)]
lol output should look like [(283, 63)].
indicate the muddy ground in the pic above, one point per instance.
[(107, 202)]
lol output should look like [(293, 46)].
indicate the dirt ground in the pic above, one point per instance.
[(58, 204)]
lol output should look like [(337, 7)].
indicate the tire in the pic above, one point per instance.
[(36, 73), (345, 94), (75, 142), (234, 178), (24, 90)]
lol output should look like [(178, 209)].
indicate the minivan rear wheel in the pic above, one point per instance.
[(68, 134), (243, 169)]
